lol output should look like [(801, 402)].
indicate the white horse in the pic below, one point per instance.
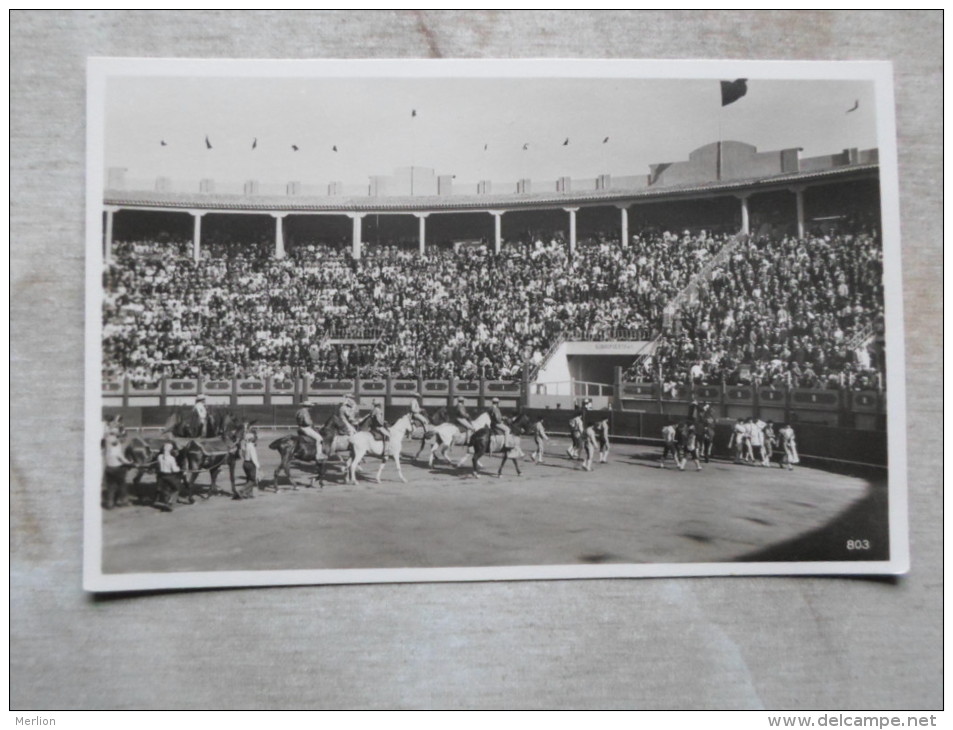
[(450, 434), (363, 443)]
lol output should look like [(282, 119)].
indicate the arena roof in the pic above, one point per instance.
[(144, 199)]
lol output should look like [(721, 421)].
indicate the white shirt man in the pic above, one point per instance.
[(201, 414)]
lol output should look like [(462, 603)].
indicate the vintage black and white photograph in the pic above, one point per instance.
[(357, 321)]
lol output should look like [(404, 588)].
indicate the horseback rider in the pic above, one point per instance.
[(306, 426), (375, 421), (417, 414), (200, 414), (497, 423), (462, 419), (345, 415)]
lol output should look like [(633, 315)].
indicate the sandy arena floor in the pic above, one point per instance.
[(627, 511)]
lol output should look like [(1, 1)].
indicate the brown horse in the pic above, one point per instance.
[(212, 453), (484, 441), (194, 455), (302, 449)]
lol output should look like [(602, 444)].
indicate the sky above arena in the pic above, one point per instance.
[(471, 128)]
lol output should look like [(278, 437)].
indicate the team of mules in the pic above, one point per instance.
[(196, 454), (217, 446)]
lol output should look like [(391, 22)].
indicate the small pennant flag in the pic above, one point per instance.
[(854, 107), (413, 112), (566, 142), (731, 91), (605, 140), (294, 147), (163, 143), (254, 143), (208, 145), (334, 148), (526, 145)]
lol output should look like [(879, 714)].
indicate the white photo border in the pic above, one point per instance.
[(880, 73)]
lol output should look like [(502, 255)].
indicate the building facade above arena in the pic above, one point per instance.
[(720, 169)]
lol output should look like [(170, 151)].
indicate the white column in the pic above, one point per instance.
[(279, 235), (572, 229), (108, 239), (197, 235), (745, 227), (624, 210), (422, 237), (497, 230), (799, 200), (356, 235)]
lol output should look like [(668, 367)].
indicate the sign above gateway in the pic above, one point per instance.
[(626, 347)]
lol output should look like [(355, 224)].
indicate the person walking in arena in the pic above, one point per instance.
[(736, 442), (707, 435), (757, 441), (770, 441), (200, 414), (687, 441), (540, 437), (248, 452), (577, 428), (788, 442), (601, 433), (170, 477), (114, 476), (668, 444)]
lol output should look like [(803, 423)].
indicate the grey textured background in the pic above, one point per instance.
[(776, 643)]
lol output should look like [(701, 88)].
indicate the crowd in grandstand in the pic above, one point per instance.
[(239, 312), (778, 311)]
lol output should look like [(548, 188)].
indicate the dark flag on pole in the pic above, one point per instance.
[(208, 145), (731, 91)]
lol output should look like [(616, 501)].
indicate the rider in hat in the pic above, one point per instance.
[(462, 418), (345, 415), (496, 418), (417, 414), (375, 419), (306, 425), (201, 414)]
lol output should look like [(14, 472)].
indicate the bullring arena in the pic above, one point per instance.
[(626, 511), (747, 280)]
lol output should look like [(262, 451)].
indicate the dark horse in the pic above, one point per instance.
[(212, 453), (295, 447), (219, 449), (439, 416), (486, 442)]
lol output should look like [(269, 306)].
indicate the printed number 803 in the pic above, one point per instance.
[(858, 544)]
